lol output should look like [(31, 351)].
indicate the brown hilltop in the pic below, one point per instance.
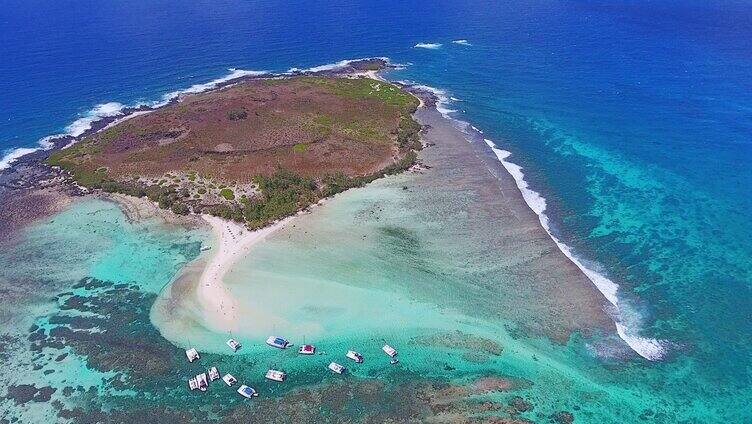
[(222, 151)]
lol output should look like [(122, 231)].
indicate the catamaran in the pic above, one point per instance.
[(229, 379), (192, 354), (355, 356), (213, 373), (203, 383), (307, 349), (389, 351), (276, 375), (247, 391), (278, 342), (234, 345), (193, 383), (337, 368)]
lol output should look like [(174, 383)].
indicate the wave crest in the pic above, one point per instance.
[(627, 321), (430, 46), (112, 109)]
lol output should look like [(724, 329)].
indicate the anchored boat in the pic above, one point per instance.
[(193, 383), (278, 342), (234, 345), (276, 375), (389, 351), (203, 383), (355, 356), (247, 391), (337, 368), (213, 373), (307, 349), (229, 379), (192, 354)]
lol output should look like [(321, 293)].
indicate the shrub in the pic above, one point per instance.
[(237, 114), (227, 194), (180, 208)]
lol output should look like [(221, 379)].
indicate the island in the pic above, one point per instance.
[(254, 151)]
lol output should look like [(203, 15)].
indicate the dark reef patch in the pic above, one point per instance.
[(24, 393), (107, 324)]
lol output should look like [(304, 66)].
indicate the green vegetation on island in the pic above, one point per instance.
[(255, 152)]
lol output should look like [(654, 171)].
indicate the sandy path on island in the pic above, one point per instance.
[(220, 310)]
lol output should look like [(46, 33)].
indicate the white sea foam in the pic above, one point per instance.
[(336, 65), (84, 123), (628, 322), (200, 88), (431, 46), (462, 42), (442, 99), (13, 155), (112, 109)]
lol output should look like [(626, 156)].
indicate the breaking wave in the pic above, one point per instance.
[(431, 46), (628, 322), (112, 109), (334, 66)]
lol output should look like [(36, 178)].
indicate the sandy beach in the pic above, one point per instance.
[(220, 310)]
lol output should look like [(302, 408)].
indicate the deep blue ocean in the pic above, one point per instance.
[(632, 118)]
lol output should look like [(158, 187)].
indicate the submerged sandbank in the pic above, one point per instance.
[(232, 241), (423, 249)]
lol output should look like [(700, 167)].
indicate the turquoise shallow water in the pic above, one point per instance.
[(630, 118), (91, 239)]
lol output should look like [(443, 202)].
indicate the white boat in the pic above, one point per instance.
[(355, 356), (278, 342), (247, 391), (337, 368), (389, 351), (203, 383), (205, 248), (229, 379), (192, 354), (307, 349), (193, 383), (234, 345), (394, 361), (276, 375), (213, 374)]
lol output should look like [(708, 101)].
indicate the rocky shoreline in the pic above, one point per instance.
[(31, 190)]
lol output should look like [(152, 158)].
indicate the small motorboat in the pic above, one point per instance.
[(193, 383), (192, 354), (234, 345), (392, 352), (307, 349), (337, 368), (203, 382), (229, 379), (213, 374), (278, 342), (355, 356), (276, 375), (247, 391), (205, 248), (394, 361)]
